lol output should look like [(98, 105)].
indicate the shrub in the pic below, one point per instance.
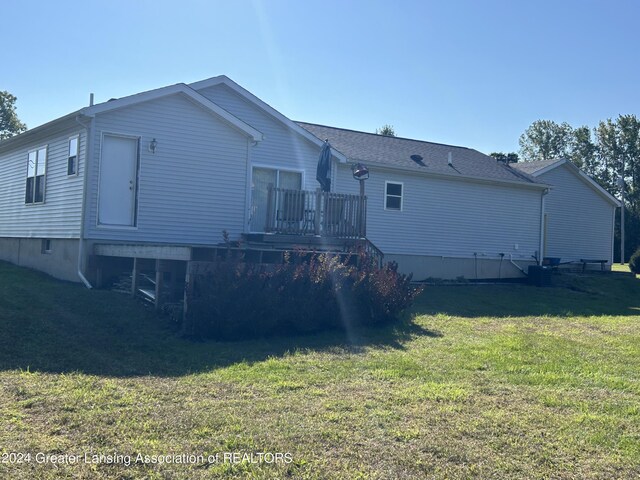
[(308, 293), (634, 262)]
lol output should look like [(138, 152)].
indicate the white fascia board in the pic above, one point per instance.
[(583, 176), (222, 79), (460, 178), (562, 161), (179, 88), (53, 127)]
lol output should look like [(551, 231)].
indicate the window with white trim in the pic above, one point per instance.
[(72, 158), (36, 171), (393, 195)]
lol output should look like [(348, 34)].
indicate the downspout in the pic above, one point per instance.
[(544, 194), (84, 200), (613, 233), (517, 266)]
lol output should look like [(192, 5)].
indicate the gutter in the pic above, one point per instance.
[(542, 232), (84, 199), (461, 178)]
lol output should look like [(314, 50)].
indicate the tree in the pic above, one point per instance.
[(546, 140), (505, 157), (618, 150), (618, 154), (10, 124), (386, 130), (584, 150)]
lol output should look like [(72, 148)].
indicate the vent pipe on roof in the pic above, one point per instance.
[(449, 161), (91, 99)]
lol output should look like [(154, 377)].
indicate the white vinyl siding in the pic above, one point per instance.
[(195, 184), (442, 217), (580, 220), (282, 148), (59, 215)]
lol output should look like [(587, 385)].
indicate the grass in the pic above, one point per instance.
[(503, 381)]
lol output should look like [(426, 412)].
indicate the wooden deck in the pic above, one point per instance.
[(326, 214)]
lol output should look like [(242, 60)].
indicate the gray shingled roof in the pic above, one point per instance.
[(533, 167), (371, 148)]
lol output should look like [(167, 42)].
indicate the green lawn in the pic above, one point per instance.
[(502, 382)]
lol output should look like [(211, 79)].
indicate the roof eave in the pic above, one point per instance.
[(462, 178), (54, 126)]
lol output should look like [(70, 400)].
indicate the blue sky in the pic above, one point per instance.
[(471, 73)]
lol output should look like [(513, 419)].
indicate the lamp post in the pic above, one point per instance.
[(360, 173), (621, 185)]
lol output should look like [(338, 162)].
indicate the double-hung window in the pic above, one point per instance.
[(72, 159), (393, 196), (36, 172)]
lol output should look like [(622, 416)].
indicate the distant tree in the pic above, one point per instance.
[(10, 124), (618, 149), (584, 151), (505, 157), (545, 140), (386, 130)]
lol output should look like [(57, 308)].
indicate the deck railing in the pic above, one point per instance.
[(305, 212)]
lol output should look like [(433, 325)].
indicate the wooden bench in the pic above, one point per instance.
[(587, 261)]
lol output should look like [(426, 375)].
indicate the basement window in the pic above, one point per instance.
[(393, 196), (72, 159), (46, 246), (36, 170)]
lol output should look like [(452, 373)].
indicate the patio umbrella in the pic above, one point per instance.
[(324, 167)]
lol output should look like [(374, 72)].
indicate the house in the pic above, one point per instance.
[(150, 182), (579, 214)]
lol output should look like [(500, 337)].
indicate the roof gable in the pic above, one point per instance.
[(180, 89), (223, 79), (539, 168)]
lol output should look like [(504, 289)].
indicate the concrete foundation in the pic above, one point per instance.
[(56, 256), (451, 268)]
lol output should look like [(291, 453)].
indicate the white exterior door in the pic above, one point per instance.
[(118, 181)]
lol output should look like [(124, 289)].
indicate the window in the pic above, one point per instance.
[(46, 245), (36, 169), (261, 179), (393, 194), (72, 162)]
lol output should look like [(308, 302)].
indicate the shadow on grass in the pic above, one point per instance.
[(569, 295), (57, 327)]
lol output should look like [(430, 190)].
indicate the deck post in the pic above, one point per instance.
[(316, 226), (99, 273), (188, 289), (360, 210), (134, 277), (270, 203), (363, 210)]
